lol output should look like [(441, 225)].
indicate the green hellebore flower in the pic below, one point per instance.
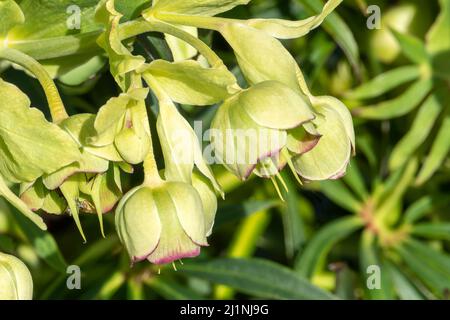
[(330, 156), (252, 126), (15, 279), (92, 185), (161, 223)]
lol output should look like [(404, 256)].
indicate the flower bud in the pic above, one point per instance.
[(161, 223), (15, 279)]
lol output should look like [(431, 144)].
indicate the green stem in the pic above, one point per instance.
[(151, 172), (202, 47), (211, 23), (56, 106)]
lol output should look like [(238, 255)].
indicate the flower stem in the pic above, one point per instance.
[(207, 52), (211, 23), (56, 106)]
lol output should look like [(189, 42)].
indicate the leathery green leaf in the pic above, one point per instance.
[(26, 138), (15, 201), (399, 106), (438, 41), (258, 277), (180, 49)]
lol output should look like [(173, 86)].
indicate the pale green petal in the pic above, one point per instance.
[(239, 142), (27, 138), (274, 105), (15, 279), (138, 223), (10, 16), (189, 209), (209, 200), (284, 29), (330, 157), (343, 112), (188, 82)]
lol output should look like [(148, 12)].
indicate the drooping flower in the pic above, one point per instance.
[(250, 129), (15, 279), (161, 223), (331, 155)]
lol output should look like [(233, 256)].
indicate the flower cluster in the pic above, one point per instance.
[(260, 127)]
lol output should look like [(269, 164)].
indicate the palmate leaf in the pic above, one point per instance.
[(294, 230), (188, 82), (322, 242), (355, 180), (402, 285), (431, 266), (257, 277), (339, 193), (172, 290), (438, 152), (384, 82), (369, 255), (417, 134), (338, 29), (412, 47), (29, 145), (399, 106)]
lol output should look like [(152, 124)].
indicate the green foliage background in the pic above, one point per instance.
[(392, 209)]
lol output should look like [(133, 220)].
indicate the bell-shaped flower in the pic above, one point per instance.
[(330, 156), (15, 279), (90, 185), (250, 129), (161, 223)]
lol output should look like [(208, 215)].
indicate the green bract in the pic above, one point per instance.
[(15, 279), (26, 138)]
